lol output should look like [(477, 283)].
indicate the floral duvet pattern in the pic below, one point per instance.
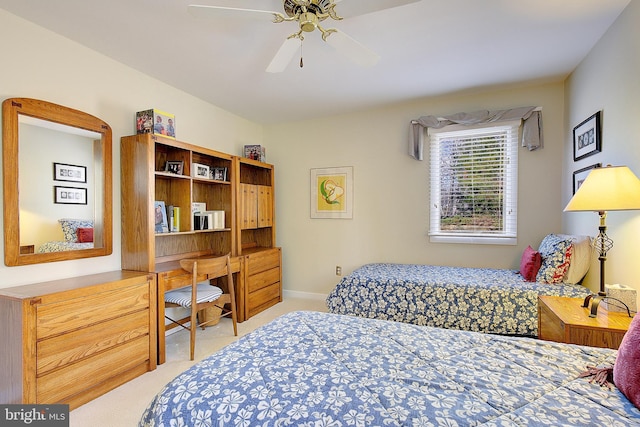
[(472, 299), (323, 369)]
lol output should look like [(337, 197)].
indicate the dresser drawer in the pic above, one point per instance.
[(59, 385), (263, 298), (262, 261), (64, 316), (260, 280), (74, 346)]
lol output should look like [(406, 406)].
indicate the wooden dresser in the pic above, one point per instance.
[(262, 281), (72, 340)]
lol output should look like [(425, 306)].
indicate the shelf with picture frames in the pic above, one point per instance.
[(241, 190)]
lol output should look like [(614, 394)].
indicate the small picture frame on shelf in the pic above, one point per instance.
[(199, 170), (219, 174), (255, 152), (174, 166), (160, 215)]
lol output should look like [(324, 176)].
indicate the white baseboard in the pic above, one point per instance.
[(304, 295)]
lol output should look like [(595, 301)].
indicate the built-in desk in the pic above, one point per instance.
[(171, 276)]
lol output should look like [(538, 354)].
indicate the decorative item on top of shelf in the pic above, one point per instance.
[(581, 174), (176, 166), (332, 192), (199, 170), (72, 173), (255, 152), (162, 224), (156, 122), (219, 174), (587, 137)]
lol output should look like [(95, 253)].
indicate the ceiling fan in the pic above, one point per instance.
[(308, 14)]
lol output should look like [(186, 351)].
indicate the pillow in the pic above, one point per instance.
[(70, 228), (555, 251), (626, 370), (85, 235), (530, 264), (580, 258)]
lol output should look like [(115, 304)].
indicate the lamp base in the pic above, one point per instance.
[(595, 302)]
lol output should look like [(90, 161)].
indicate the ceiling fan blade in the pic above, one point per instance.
[(284, 55), (352, 49), (350, 8), (211, 12)]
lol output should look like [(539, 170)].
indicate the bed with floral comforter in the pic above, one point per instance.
[(323, 369), (473, 299)]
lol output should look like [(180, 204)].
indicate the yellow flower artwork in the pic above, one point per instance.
[(331, 192)]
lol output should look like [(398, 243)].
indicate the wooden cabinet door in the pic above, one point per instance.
[(265, 206), (248, 206)]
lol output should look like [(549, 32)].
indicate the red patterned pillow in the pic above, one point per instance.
[(626, 370), (85, 235), (530, 264)]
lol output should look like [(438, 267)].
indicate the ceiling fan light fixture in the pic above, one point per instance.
[(308, 21)]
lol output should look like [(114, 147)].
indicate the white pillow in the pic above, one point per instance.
[(580, 259)]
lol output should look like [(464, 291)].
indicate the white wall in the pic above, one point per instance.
[(390, 189), (608, 79), (40, 64)]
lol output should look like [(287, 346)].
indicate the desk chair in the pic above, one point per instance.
[(201, 295)]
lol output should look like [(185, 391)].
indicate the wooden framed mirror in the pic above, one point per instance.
[(57, 171)]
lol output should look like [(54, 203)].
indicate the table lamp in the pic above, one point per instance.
[(612, 188)]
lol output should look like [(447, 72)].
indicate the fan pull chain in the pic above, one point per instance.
[(301, 63)]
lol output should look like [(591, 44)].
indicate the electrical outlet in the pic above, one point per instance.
[(338, 270)]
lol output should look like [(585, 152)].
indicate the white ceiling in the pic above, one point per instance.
[(427, 48)]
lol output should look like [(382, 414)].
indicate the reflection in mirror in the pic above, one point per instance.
[(57, 183)]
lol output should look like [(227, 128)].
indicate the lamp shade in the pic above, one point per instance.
[(612, 188)]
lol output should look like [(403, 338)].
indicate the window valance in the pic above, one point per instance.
[(531, 129)]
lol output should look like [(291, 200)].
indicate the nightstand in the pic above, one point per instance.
[(565, 320)]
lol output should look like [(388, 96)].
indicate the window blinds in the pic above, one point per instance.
[(473, 189)]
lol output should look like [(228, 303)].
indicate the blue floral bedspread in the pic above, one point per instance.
[(323, 369), (471, 299), (63, 246)]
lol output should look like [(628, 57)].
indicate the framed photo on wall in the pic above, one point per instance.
[(581, 174), (71, 173), (332, 193), (70, 195), (587, 137)]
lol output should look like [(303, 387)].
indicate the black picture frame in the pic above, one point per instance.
[(587, 137), (581, 174), (69, 195), (70, 173)]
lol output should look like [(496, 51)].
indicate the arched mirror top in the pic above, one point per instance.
[(57, 183)]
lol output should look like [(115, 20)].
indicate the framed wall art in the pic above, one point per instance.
[(70, 195), (587, 137), (581, 174), (71, 173), (332, 193)]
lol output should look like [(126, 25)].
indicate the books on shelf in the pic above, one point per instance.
[(173, 216), (206, 220)]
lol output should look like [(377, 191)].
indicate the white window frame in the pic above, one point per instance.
[(508, 234)]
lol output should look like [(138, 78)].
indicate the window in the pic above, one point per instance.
[(474, 180)]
